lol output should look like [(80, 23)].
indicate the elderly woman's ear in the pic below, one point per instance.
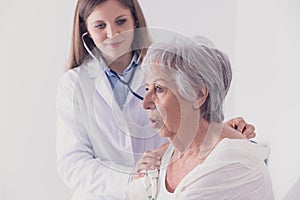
[(201, 100)]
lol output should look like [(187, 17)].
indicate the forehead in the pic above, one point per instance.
[(155, 74), (164, 78), (109, 9)]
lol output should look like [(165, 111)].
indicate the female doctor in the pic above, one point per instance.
[(102, 130)]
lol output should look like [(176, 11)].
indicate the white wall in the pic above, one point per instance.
[(267, 81), (34, 43), (35, 35)]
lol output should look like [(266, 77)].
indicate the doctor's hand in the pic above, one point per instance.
[(150, 161), (242, 126)]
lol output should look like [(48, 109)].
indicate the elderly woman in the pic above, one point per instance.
[(186, 83)]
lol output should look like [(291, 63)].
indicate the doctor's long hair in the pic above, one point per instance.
[(83, 9)]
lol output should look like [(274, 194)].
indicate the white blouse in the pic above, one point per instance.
[(235, 169)]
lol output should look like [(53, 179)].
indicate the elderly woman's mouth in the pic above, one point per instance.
[(155, 123)]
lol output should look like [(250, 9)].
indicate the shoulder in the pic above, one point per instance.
[(232, 165), (240, 151), (66, 88), (69, 76), (67, 82), (76, 75)]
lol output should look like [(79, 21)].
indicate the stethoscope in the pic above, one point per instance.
[(112, 71), (150, 182), (127, 83)]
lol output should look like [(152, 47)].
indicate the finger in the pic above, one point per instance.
[(143, 167), (147, 162), (233, 122), (150, 161), (241, 126), (152, 157), (251, 135), (248, 129), (236, 122), (138, 175), (152, 154)]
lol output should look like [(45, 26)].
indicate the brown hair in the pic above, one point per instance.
[(83, 9)]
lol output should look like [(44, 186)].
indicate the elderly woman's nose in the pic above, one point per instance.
[(147, 103)]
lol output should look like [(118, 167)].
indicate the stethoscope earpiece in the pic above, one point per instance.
[(86, 47)]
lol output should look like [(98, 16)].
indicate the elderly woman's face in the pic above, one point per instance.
[(168, 111)]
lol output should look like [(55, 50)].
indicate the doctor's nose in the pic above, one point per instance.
[(111, 31), (148, 102)]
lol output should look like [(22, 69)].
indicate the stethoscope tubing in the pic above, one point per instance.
[(112, 71), (126, 83)]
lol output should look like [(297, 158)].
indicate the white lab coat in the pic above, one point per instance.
[(97, 143)]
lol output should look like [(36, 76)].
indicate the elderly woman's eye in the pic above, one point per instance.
[(158, 89)]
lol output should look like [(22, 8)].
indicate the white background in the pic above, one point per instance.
[(261, 38)]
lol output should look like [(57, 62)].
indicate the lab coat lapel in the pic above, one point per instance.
[(102, 85)]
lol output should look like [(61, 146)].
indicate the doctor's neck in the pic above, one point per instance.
[(119, 64)]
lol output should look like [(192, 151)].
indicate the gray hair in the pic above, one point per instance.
[(194, 64)]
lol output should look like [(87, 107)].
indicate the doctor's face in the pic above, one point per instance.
[(168, 111), (111, 26)]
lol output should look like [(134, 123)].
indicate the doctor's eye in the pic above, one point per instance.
[(121, 21), (101, 26)]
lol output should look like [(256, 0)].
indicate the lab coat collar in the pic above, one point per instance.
[(96, 70), (95, 67)]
